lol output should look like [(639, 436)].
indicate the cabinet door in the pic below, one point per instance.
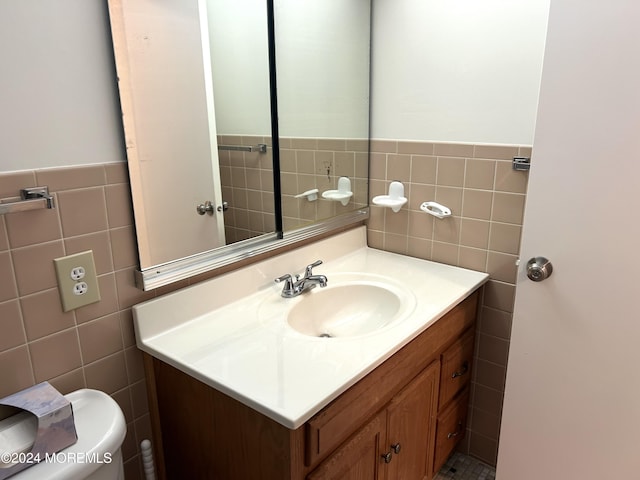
[(411, 417), (359, 458)]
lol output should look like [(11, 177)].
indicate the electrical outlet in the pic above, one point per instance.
[(77, 280)]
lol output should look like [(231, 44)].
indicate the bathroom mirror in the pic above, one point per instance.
[(210, 184)]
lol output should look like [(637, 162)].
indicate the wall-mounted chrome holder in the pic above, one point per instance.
[(34, 198), (261, 147), (521, 164)]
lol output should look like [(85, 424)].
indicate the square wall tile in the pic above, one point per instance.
[(451, 171), (480, 174), (4, 242), (69, 382), (472, 258), (510, 180), (20, 375), (420, 225), (139, 399), (99, 338), (493, 349), (505, 238), (490, 374), (495, 322), (447, 230), (445, 253), (11, 325), (477, 204), (502, 266), (83, 211), (34, 267), (378, 166), (135, 365), (508, 208), (123, 247), (419, 248), (99, 243), (499, 295), (33, 227), (485, 423), (119, 206), (487, 399), (398, 168), (116, 172), (474, 233), (395, 243), (107, 305), (483, 448), (43, 314), (8, 288), (423, 169), (450, 197), (55, 355), (108, 374)]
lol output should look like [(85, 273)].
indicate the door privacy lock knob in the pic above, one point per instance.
[(539, 269), (206, 207)]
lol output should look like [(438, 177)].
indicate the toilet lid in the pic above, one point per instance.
[(101, 428)]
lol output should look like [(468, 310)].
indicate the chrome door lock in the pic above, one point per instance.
[(539, 269), (206, 207)]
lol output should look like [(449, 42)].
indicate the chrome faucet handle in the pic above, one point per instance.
[(308, 270), (288, 290), (285, 278)]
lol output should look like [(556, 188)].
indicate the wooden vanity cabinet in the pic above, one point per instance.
[(394, 423), (453, 400), (396, 443)]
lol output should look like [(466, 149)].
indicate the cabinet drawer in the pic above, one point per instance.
[(456, 368), (450, 429)]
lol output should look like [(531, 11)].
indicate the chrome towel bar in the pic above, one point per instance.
[(33, 198), (261, 147)]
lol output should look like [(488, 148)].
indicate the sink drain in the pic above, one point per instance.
[(325, 335)]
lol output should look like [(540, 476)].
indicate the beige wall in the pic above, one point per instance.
[(93, 346), (486, 197)]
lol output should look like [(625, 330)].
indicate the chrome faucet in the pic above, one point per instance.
[(293, 288)]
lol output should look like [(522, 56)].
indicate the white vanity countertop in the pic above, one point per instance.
[(216, 331)]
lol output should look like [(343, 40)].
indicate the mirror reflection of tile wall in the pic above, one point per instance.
[(305, 164), (247, 186), (308, 163)]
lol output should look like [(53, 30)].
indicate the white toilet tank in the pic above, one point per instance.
[(96, 455)]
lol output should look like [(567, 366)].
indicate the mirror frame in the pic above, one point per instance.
[(254, 249), (244, 252)]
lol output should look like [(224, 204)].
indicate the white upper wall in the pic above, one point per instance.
[(322, 65), (240, 64), (457, 71), (463, 71), (58, 87)]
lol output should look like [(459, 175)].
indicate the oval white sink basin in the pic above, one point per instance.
[(344, 311)]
